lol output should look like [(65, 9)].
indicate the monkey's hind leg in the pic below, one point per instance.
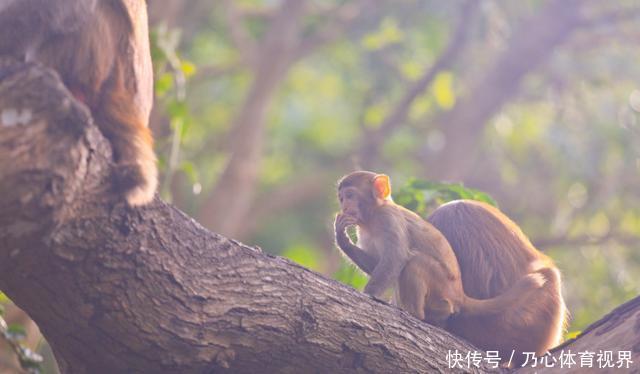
[(413, 290), (422, 288)]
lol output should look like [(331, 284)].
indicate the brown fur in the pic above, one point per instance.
[(397, 247), (100, 48), (493, 253)]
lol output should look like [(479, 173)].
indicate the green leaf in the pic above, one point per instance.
[(190, 170), (443, 90), (388, 33), (177, 109), (16, 332), (163, 84), (572, 334), (374, 115), (421, 195), (411, 69), (188, 68)]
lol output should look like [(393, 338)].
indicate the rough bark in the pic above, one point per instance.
[(115, 289)]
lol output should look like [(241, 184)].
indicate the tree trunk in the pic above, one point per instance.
[(116, 289)]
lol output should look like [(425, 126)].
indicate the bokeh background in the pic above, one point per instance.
[(261, 105)]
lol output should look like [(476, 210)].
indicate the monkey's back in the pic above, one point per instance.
[(485, 241), (493, 254)]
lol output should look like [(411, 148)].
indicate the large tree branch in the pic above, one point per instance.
[(115, 289)]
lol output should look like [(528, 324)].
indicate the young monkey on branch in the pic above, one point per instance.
[(398, 248), (100, 49)]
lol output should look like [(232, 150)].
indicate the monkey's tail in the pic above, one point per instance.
[(519, 291)]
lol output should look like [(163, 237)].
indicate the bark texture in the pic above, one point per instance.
[(115, 289)]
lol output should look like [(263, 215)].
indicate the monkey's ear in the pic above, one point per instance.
[(381, 186)]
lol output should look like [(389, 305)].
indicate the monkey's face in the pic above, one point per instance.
[(354, 203), (360, 192)]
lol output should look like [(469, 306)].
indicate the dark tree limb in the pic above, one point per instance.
[(115, 289)]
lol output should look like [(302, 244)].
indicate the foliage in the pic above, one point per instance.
[(14, 334), (424, 196)]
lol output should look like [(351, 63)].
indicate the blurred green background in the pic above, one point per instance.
[(262, 105)]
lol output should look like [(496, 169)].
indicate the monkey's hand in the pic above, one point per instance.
[(364, 260), (341, 223)]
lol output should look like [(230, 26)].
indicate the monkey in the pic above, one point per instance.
[(396, 247), (100, 49), (493, 253)]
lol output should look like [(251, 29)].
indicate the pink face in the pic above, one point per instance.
[(351, 202)]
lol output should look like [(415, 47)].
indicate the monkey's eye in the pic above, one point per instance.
[(348, 195)]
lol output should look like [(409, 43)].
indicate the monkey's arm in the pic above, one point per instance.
[(393, 257), (363, 259)]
